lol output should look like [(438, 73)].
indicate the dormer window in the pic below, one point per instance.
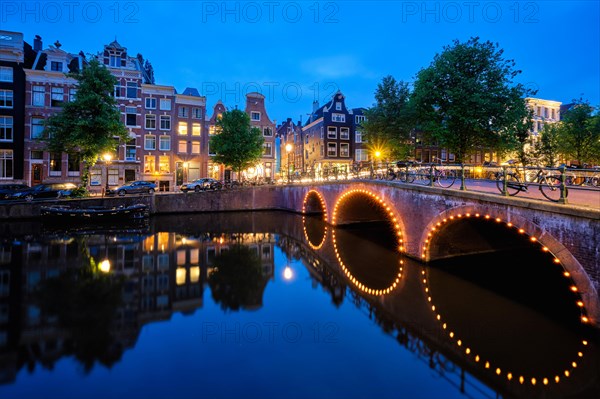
[(56, 66), (114, 61)]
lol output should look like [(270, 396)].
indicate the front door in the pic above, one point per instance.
[(36, 174)]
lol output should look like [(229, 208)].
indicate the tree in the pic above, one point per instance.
[(391, 119), (89, 125), (521, 140), (547, 149), (236, 143), (467, 100), (579, 133)]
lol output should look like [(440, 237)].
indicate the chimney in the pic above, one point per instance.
[(37, 43), (315, 105)]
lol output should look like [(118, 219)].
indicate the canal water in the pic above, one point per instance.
[(276, 305)]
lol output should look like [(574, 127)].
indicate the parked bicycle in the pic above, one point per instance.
[(443, 177), (549, 185)]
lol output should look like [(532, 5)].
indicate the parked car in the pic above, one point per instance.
[(7, 189), (44, 190), (202, 185), (135, 187)]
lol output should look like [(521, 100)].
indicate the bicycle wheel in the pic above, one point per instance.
[(513, 185), (446, 178), (550, 188)]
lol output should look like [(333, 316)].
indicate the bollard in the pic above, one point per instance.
[(563, 186)]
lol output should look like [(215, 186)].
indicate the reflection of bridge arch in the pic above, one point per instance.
[(579, 281), (360, 205)]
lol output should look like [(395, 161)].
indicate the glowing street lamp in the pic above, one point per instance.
[(107, 158), (288, 150), (104, 266)]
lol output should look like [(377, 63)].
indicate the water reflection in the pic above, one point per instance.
[(54, 301)]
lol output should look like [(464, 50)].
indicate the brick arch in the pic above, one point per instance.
[(573, 269), (314, 198)]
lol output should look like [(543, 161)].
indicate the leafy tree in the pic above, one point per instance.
[(467, 100), (88, 125), (237, 144), (548, 148), (521, 140), (237, 281), (391, 119), (579, 133)]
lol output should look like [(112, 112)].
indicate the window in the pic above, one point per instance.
[(344, 150), (255, 116), (130, 116), (338, 118), (197, 113), (6, 164), (150, 121), (331, 149), (163, 163), (331, 132), (56, 66), (268, 149), (6, 74), (212, 130), (345, 133), (164, 143), (183, 112), (72, 95), (545, 112), (114, 61), (149, 163), (165, 122), (37, 154), (37, 97), (361, 155), (117, 92), (113, 176), (37, 128), (358, 119), (6, 128), (338, 106), (195, 147), (151, 103), (182, 146), (150, 142), (95, 176), (195, 129), (55, 164), (210, 151), (73, 162), (132, 90), (358, 136), (57, 96), (267, 132), (553, 114), (6, 98), (165, 104), (130, 150), (322, 134), (182, 128)]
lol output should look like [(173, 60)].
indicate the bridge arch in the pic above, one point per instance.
[(314, 203), (579, 282)]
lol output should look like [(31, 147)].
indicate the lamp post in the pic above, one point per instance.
[(107, 158), (288, 150)]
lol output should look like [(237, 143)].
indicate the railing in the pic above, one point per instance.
[(537, 182)]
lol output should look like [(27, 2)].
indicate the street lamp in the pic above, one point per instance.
[(107, 158), (288, 150)]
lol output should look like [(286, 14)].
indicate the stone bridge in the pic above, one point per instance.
[(429, 223)]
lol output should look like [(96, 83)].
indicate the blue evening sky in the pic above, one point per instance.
[(297, 51)]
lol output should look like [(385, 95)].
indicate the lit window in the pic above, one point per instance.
[(195, 129), (163, 162), (195, 147), (6, 128), (182, 128), (268, 149), (55, 164), (182, 146), (149, 163)]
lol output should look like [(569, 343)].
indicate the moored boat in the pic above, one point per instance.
[(95, 213)]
